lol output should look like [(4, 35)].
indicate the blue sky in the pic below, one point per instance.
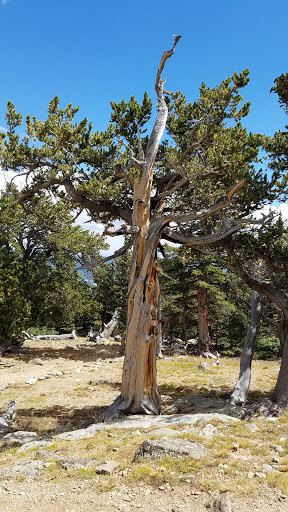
[(91, 53)]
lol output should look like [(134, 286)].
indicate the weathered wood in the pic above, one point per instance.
[(6, 417), (280, 394), (241, 389), (203, 326), (109, 328), (71, 336), (139, 391)]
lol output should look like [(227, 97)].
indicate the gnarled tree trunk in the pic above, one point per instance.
[(280, 394), (109, 328), (139, 391), (241, 389), (203, 326)]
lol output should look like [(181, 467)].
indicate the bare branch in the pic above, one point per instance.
[(166, 55), (169, 191), (42, 186), (139, 162), (192, 216), (101, 262), (160, 122), (96, 206), (123, 230), (273, 294), (194, 241)]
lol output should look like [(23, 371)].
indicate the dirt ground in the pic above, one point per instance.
[(79, 380)]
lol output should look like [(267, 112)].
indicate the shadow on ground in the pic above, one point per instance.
[(189, 399), (86, 353), (63, 418)]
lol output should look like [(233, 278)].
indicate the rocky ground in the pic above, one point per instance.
[(67, 463)]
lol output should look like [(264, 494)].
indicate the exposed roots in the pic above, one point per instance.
[(122, 406), (265, 408)]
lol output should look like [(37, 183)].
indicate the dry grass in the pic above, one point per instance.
[(91, 381)]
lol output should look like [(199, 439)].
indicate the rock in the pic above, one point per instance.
[(267, 467), (37, 360), (19, 437), (140, 421), (203, 366), (277, 448), (160, 448), (29, 469), (31, 381), (198, 403), (221, 504), (209, 431), (34, 444), (252, 427), (108, 467), (166, 432), (69, 464)]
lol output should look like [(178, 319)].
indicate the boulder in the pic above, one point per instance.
[(19, 437), (221, 504), (160, 448), (108, 467), (29, 469)]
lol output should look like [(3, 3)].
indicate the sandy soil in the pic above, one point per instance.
[(65, 398)]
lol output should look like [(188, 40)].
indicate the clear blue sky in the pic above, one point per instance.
[(90, 52)]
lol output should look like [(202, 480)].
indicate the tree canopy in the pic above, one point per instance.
[(195, 188)]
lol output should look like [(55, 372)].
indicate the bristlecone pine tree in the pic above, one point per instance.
[(159, 190), (269, 245)]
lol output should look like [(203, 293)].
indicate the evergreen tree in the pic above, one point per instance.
[(39, 285), (159, 191)]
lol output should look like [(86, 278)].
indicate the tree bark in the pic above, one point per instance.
[(159, 333), (280, 394), (203, 326), (241, 389), (139, 391), (281, 331)]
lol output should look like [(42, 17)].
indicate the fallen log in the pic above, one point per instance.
[(71, 336)]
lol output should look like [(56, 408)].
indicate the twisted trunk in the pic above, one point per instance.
[(203, 326), (241, 389), (280, 394), (109, 328), (139, 392)]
